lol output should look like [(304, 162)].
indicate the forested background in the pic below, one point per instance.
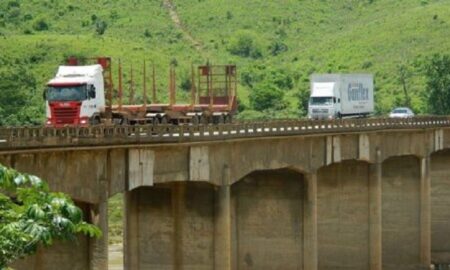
[(276, 45)]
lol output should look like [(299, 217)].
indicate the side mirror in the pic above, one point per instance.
[(91, 92)]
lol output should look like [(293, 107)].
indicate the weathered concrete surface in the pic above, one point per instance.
[(269, 221), (343, 227), (401, 213), (81, 174), (440, 207), (171, 226)]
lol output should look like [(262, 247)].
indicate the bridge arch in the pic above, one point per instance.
[(273, 165)]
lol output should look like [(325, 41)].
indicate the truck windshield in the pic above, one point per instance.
[(321, 100), (67, 93)]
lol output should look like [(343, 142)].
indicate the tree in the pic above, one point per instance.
[(404, 74), (266, 96), (437, 72), (18, 104), (32, 216)]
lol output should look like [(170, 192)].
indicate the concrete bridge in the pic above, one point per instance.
[(349, 194)]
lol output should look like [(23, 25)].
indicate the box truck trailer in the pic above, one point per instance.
[(340, 95)]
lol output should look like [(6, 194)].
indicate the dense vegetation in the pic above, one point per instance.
[(276, 45), (31, 216)]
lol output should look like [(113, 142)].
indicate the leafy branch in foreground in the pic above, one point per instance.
[(32, 216)]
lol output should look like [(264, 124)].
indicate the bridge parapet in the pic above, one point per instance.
[(34, 137)]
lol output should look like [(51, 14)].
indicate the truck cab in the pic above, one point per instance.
[(75, 96), (325, 101)]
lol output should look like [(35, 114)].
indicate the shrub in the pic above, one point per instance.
[(100, 27), (266, 96), (245, 44), (40, 25), (277, 47)]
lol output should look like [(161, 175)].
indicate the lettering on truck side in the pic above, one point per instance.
[(357, 92)]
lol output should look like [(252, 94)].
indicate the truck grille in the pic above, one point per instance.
[(320, 110), (65, 115)]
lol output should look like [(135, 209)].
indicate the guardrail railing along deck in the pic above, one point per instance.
[(38, 137)]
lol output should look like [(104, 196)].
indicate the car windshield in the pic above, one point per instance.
[(400, 111), (321, 100), (67, 93)]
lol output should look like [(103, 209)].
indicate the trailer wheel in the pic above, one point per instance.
[(220, 119), (204, 119), (155, 121), (125, 122), (228, 119), (194, 120), (164, 120)]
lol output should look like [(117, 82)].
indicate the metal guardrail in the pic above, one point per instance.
[(43, 137)]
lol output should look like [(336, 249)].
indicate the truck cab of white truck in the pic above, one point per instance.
[(75, 96), (340, 95)]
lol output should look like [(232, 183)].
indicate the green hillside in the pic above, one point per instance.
[(273, 43)]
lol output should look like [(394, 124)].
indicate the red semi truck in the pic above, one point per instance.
[(82, 94)]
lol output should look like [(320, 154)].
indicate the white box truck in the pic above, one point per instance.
[(340, 95)]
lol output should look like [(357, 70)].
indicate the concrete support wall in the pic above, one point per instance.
[(440, 207), (343, 216), (80, 173), (401, 213), (170, 226), (268, 221)]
